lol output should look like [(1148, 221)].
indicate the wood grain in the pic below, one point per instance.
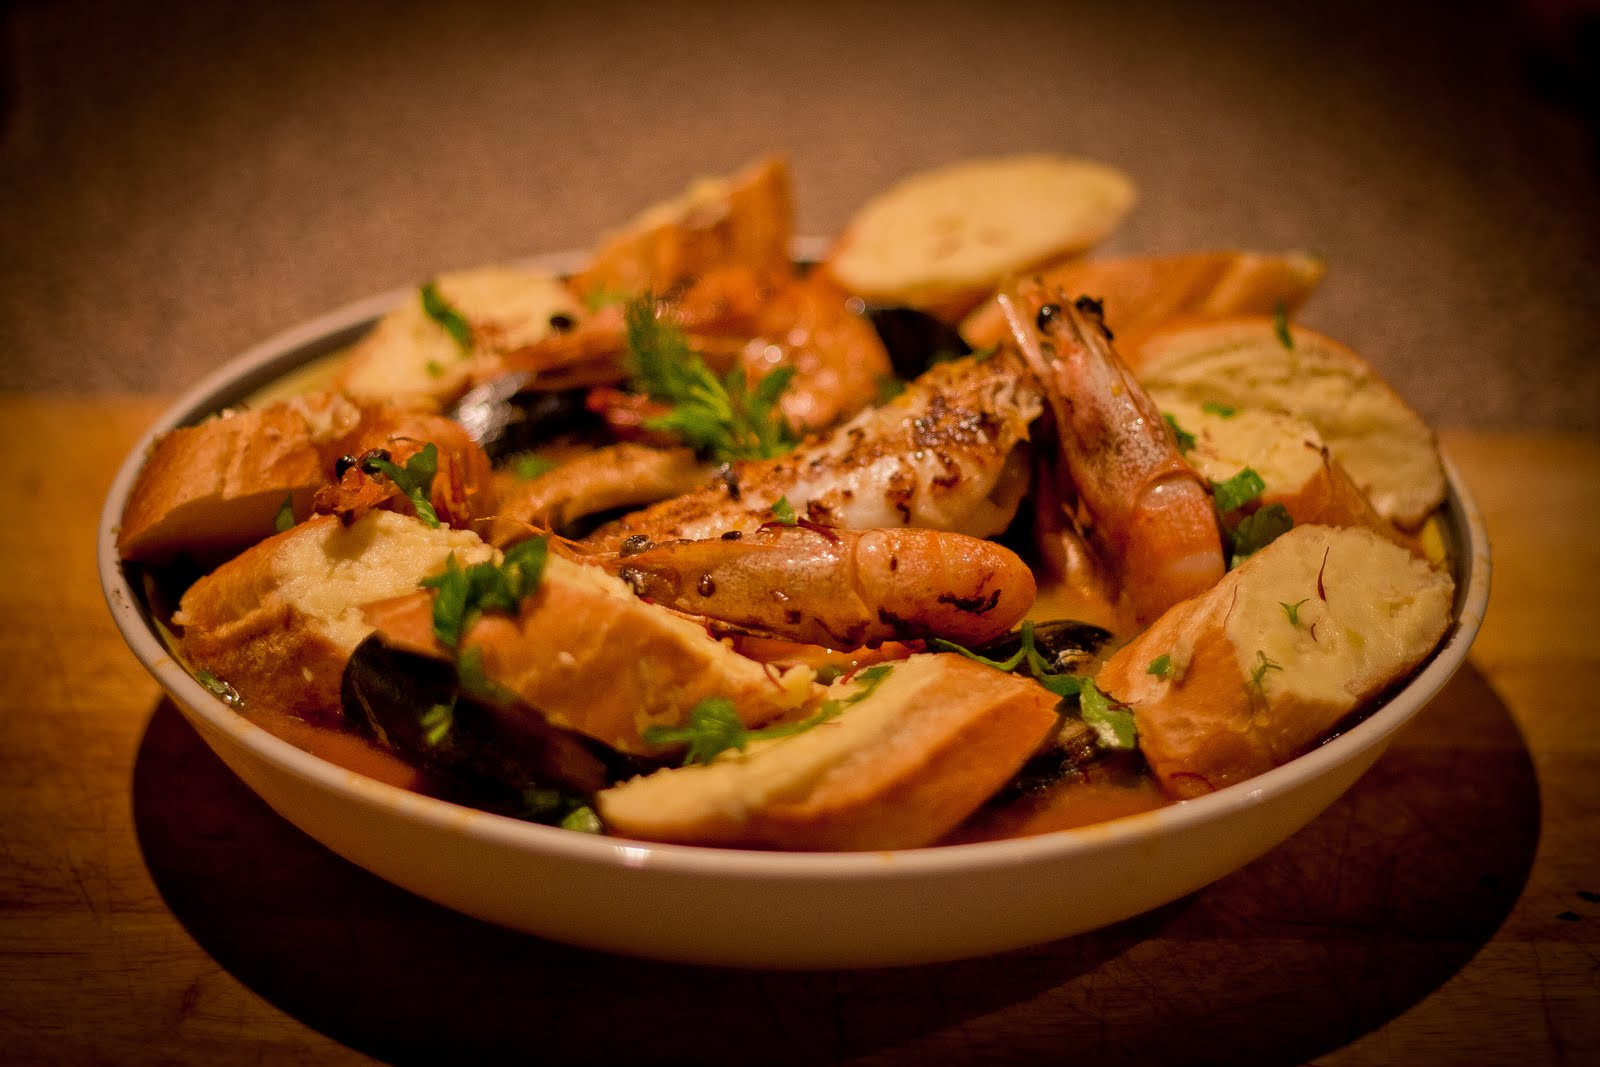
[(153, 910)]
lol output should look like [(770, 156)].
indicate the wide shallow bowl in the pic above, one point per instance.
[(759, 909)]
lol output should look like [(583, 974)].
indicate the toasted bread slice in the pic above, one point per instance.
[(410, 358), (1381, 442), (1267, 662), (1142, 293), (213, 488), (593, 657), (279, 621), (746, 220), (944, 239), (1288, 453), (899, 769)]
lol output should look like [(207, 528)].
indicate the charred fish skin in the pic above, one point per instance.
[(949, 453)]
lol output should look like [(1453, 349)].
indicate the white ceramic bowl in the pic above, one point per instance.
[(759, 909)]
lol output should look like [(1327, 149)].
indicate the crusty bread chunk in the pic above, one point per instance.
[(1288, 453), (410, 357), (1140, 293), (746, 220), (1267, 662), (213, 488), (1381, 442), (899, 769), (945, 238), (593, 657), (279, 621)]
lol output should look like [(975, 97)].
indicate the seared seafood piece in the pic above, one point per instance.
[(838, 588), (1151, 517), (946, 454), (615, 476)]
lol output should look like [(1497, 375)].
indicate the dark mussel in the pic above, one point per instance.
[(1066, 644), (505, 416), (914, 339), (494, 757)]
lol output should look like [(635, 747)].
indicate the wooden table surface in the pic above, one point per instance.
[(1446, 910)]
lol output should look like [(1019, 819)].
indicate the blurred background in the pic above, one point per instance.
[(181, 180)]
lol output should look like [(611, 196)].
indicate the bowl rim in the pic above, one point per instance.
[(298, 345)]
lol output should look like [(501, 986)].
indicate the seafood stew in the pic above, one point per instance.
[(717, 568)]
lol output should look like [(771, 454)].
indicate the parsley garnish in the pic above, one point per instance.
[(556, 807), (440, 310), (1161, 666), (529, 465), (783, 512), (714, 725), (1293, 610), (1222, 411), (1280, 326), (723, 417), (284, 519), (437, 722), (1259, 674), (220, 689), (1112, 723), (1185, 438), (415, 479), (1238, 491), (1259, 529), (463, 595)]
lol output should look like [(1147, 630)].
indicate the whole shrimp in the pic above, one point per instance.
[(1151, 518), (842, 589)]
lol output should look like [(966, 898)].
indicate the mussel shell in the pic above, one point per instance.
[(1062, 642), (495, 752), (506, 416), (914, 339)]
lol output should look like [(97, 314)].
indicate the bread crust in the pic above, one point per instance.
[(900, 769)]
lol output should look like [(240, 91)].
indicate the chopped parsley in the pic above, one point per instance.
[(1161, 666), (1184, 438), (714, 725), (1259, 673), (1280, 326), (1238, 491), (1293, 610), (440, 310), (724, 417), (783, 512), (464, 594), (284, 519), (530, 465), (1221, 411), (437, 722), (1258, 530), (415, 479), (1112, 722), (556, 807)]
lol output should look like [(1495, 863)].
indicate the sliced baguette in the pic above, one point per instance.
[(593, 657), (1248, 687), (944, 239), (1142, 293), (211, 489), (899, 769), (1298, 470), (1381, 442), (746, 220), (410, 358), (279, 621)]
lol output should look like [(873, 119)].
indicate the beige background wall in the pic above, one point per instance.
[(183, 180)]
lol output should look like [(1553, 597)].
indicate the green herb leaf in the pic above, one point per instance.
[(1259, 673), (783, 512), (723, 417), (556, 807), (218, 688), (284, 519), (1161, 666), (1258, 530), (440, 310), (1280, 326), (1112, 723), (1293, 610), (462, 595), (415, 479), (1185, 438), (1237, 491), (1223, 411), (530, 465), (437, 722), (583, 820)]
